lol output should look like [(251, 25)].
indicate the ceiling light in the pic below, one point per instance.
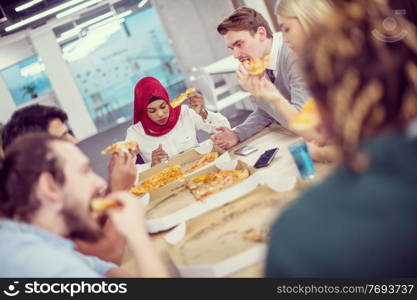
[(27, 5), (77, 29), (142, 3), (42, 14), (106, 22), (124, 14), (77, 8)]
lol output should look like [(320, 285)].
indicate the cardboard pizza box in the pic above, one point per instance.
[(174, 203), (213, 244), (186, 160)]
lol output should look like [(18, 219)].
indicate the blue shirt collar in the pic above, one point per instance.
[(51, 238)]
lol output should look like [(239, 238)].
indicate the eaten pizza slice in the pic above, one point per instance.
[(206, 159), (308, 118), (182, 97), (208, 184), (256, 66), (120, 147), (158, 180), (102, 204)]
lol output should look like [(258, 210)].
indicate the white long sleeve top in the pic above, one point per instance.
[(181, 138)]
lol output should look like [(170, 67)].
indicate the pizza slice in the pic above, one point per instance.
[(121, 146), (256, 66), (182, 97), (158, 180), (208, 184), (102, 204), (308, 118), (189, 91), (206, 159)]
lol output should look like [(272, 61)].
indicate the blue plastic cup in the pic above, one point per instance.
[(302, 159)]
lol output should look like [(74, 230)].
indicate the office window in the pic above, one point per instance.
[(108, 61), (28, 82)]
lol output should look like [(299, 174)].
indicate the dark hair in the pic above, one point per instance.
[(153, 99), (365, 80), (25, 159), (244, 18), (29, 119)]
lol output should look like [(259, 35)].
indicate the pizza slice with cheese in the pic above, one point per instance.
[(206, 159), (121, 146), (208, 184), (256, 66), (308, 118), (182, 97), (158, 180), (102, 204)]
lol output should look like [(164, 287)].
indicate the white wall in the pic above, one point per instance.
[(24, 44), (259, 6), (12, 50), (191, 25), (63, 84), (12, 53), (7, 105)]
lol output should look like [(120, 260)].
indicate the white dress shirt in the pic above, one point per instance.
[(275, 51), (181, 138), (289, 82)]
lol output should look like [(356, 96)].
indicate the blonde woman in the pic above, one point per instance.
[(296, 19), (360, 221)]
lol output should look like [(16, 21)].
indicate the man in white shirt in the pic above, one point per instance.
[(248, 35)]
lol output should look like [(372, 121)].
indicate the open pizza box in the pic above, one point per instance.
[(174, 203), (186, 160), (221, 241)]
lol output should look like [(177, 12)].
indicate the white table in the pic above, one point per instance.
[(281, 167)]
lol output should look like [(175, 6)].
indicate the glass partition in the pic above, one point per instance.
[(111, 57), (28, 82)]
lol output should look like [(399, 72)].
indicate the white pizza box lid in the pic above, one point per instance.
[(233, 263), (189, 157), (228, 266), (213, 201)]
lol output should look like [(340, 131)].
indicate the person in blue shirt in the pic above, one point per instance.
[(46, 188), (121, 176)]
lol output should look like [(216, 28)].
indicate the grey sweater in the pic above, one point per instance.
[(290, 84)]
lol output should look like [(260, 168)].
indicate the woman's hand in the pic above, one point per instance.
[(196, 101), (159, 155)]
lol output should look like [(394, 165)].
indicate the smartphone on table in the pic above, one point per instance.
[(245, 150), (266, 158)]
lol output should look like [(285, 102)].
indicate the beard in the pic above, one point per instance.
[(79, 227)]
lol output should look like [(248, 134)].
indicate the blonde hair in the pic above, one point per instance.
[(308, 12), (365, 79)]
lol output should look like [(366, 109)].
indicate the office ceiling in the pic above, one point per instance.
[(9, 16)]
